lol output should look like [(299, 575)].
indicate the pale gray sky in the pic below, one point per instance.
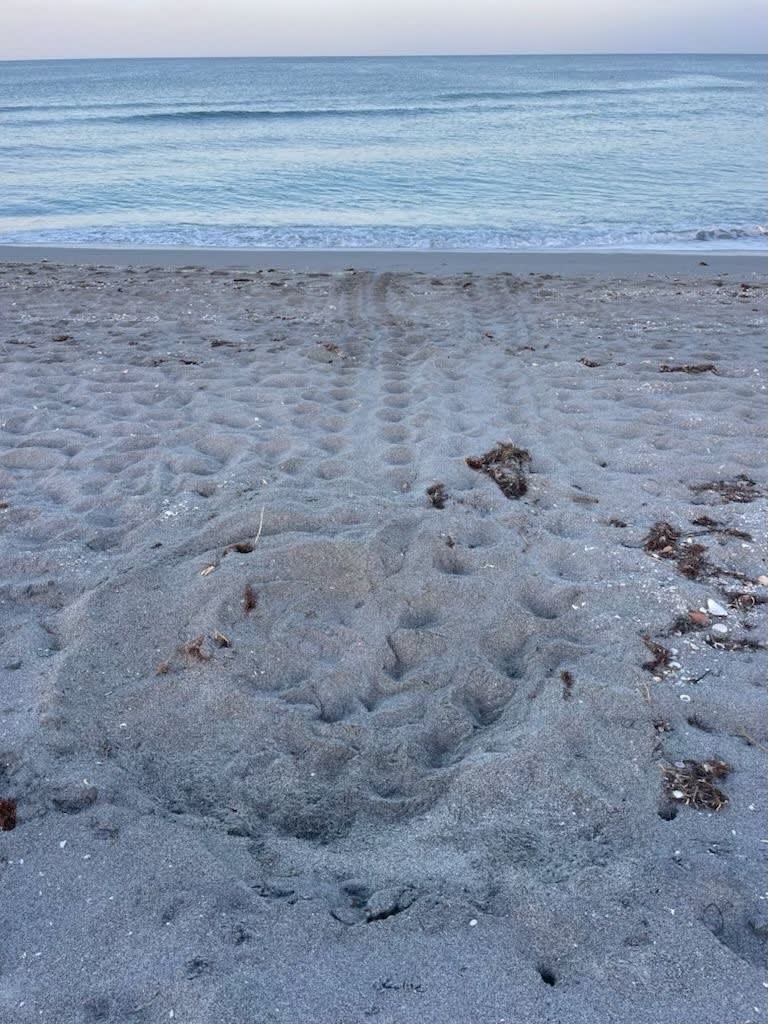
[(167, 28)]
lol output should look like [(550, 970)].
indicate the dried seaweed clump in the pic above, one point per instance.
[(437, 495), (505, 465), (691, 561), (566, 678), (741, 489), (710, 525), (7, 815), (707, 522), (660, 654), (734, 644), (662, 540), (692, 783), (195, 650)]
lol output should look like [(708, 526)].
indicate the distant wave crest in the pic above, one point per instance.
[(617, 90), (238, 114)]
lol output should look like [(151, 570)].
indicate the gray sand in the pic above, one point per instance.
[(337, 775)]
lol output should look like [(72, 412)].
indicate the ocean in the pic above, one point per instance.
[(627, 152)]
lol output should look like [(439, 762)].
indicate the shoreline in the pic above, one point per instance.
[(565, 262)]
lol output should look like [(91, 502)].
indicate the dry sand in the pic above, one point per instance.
[(289, 744)]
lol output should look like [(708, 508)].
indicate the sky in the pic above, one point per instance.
[(34, 29)]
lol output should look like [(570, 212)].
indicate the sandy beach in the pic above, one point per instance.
[(382, 638)]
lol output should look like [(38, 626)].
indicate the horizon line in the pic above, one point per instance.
[(398, 56)]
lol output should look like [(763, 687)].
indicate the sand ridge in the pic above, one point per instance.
[(295, 715)]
